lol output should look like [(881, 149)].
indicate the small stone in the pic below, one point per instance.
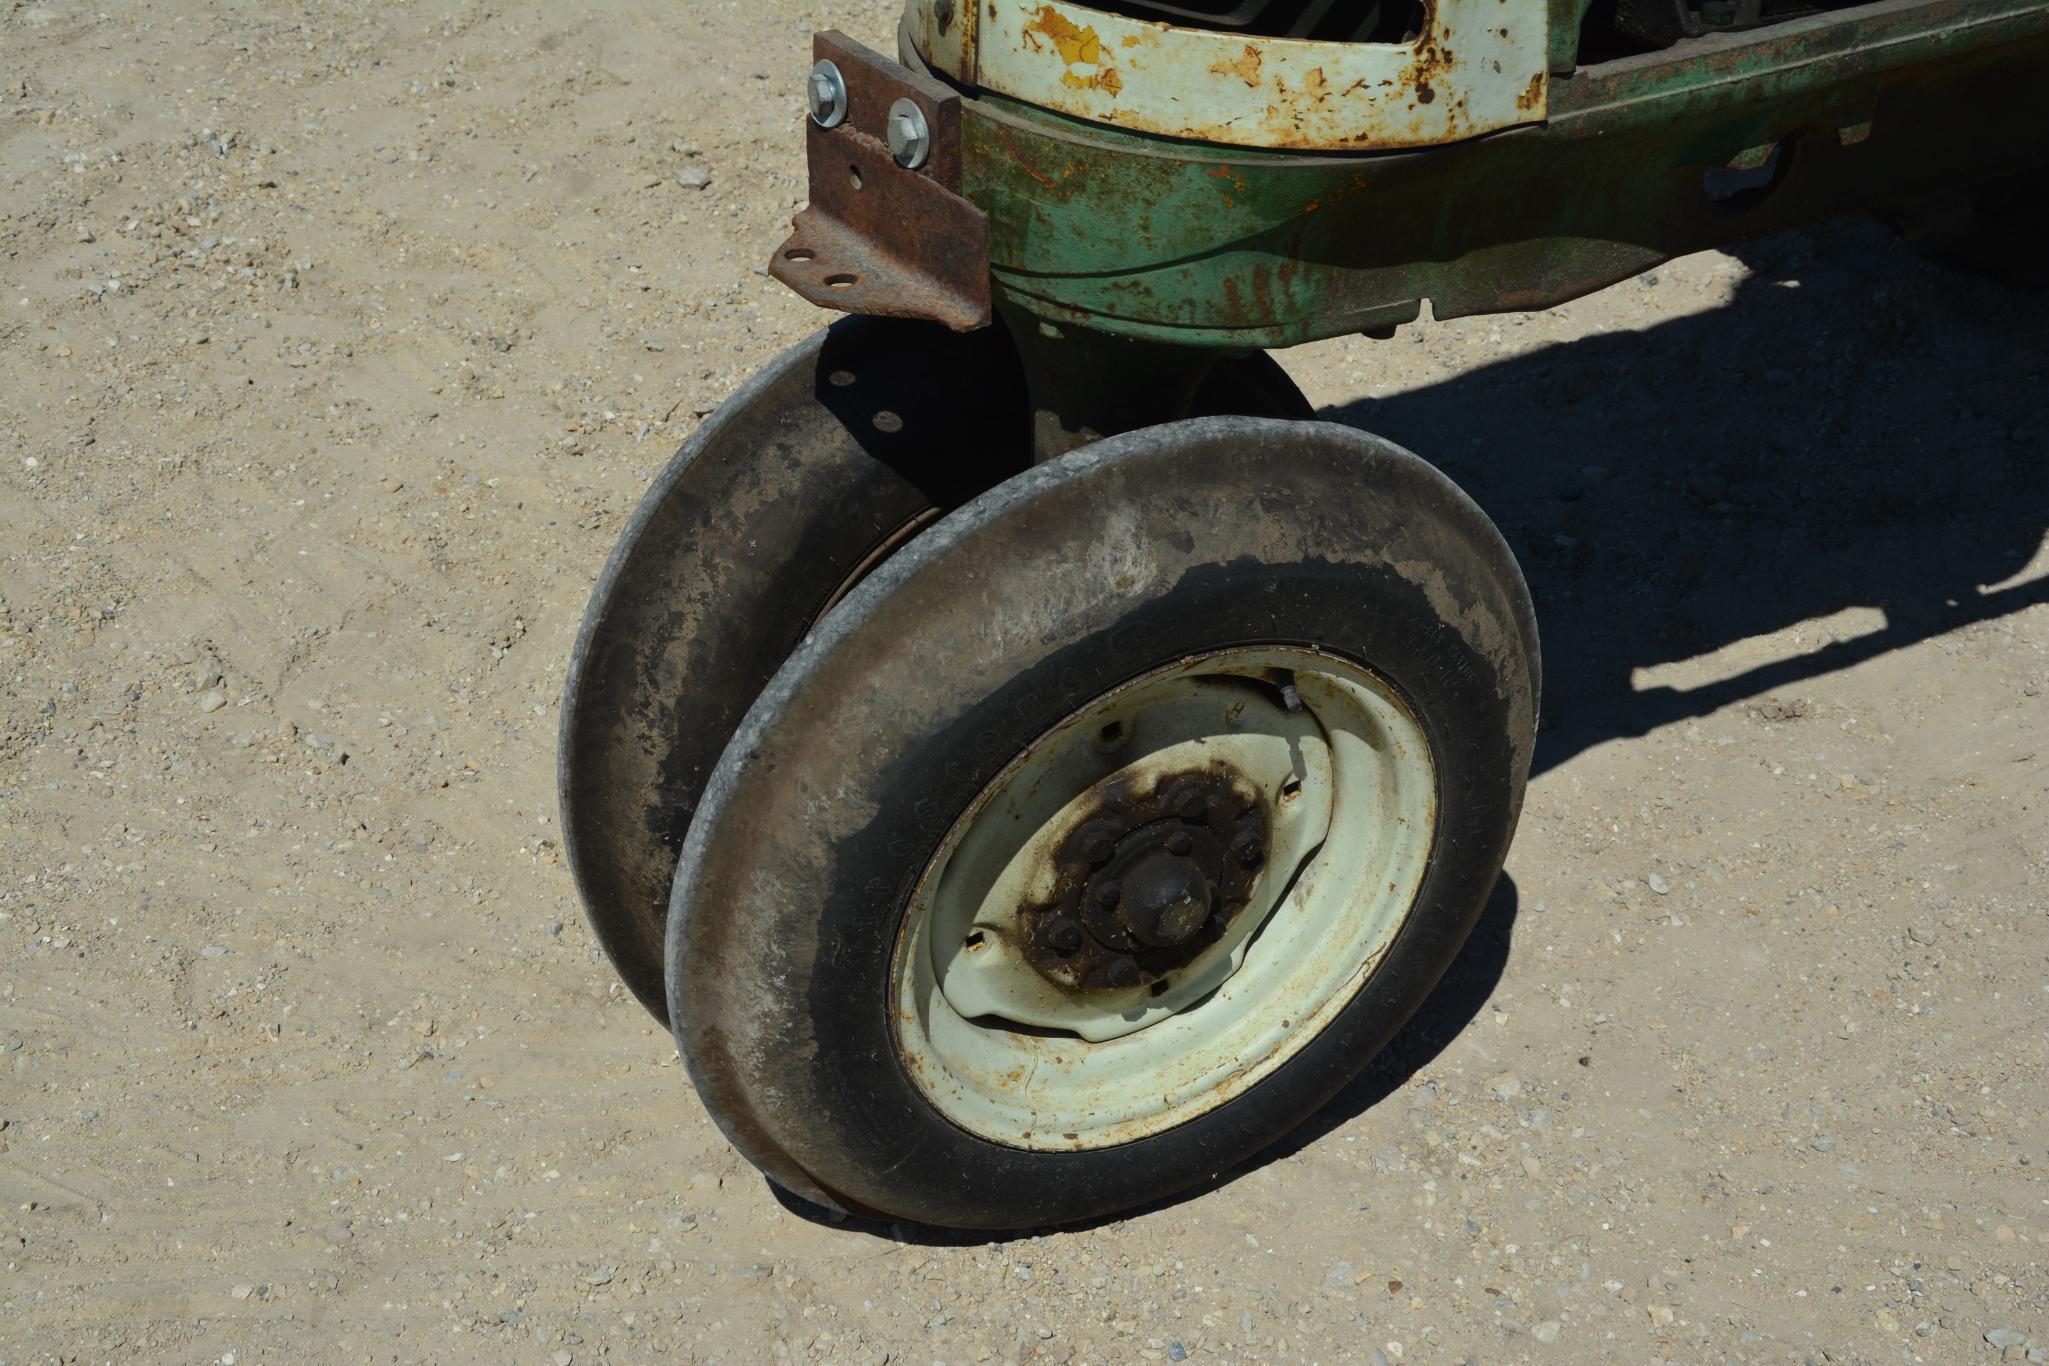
[(1823, 1144), (213, 699), (213, 951), (243, 1292), (1341, 1275), (694, 178), (1922, 934), (1659, 885), (564, 1357), (1176, 1352), (1547, 1331), (2004, 1338), (1506, 1086)]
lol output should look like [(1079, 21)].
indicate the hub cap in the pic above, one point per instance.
[(1164, 898)]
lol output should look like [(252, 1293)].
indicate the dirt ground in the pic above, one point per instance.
[(336, 342)]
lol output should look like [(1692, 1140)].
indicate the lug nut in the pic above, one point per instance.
[(1098, 843), (1189, 803), (1179, 844), (1248, 848), (1121, 971), (1107, 894), (1063, 936), (826, 94)]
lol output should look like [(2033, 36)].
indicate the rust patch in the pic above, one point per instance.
[(1533, 94), (850, 249), (1077, 46), (1246, 68), (1074, 43), (1106, 80), (1210, 818)]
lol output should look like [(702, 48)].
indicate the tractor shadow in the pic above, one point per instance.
[(1855, 427)]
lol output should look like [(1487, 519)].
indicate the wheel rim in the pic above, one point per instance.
[(1280, 798)]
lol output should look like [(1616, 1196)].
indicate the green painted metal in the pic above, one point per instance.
[(1204, 246)]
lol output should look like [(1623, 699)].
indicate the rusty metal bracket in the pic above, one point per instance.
[(878, 238)]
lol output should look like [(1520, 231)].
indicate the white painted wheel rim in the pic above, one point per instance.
[(1012, 1058)]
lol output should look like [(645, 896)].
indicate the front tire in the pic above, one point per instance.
[(964, 655)]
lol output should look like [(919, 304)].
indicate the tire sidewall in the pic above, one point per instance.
[(825, 1082)]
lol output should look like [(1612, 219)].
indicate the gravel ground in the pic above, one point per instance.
[(336, 342)]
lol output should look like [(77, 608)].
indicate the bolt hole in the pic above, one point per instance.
[(842, 281), (975, 941), (1291, 789), (1111, 736), (1160, 987), (854, 176), (799, 254)]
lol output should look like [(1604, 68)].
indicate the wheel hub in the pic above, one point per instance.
[(1154, 876)]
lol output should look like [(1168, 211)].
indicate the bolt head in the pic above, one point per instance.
[(1122, 972), (1248, 848), (826, 95), (910, 136), (1098, 843), (1063, 936)]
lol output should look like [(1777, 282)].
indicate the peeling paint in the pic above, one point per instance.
[(1245, 68), (1218, 86), (1073, 42)]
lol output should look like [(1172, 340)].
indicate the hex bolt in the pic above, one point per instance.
[(910, 137), (1063, 935), (1179, 844), (1122, 971), (1098, 843), (1107, 894), (1248, 848), (1189, 803), (826, 94)]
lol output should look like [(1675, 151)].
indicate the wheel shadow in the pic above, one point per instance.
[(1854, 428)]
